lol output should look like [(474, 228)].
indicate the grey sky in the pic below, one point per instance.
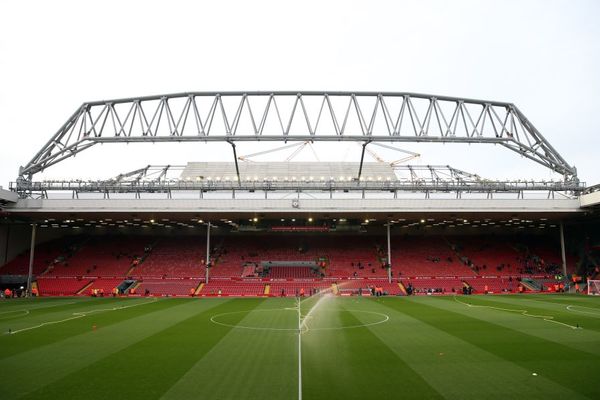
[(542, 55)]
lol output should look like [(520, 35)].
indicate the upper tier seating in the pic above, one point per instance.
[(548, 254), (342, 254), (489, 255), (291, 272), (511, 256), (44, 255), (103, 256), (425, 256), (182, 257)]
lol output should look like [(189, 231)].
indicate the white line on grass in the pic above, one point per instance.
[(39, 307), (299, 353), (570, 308), (304, 325), (12, 312), (547, 318), (81, 314)]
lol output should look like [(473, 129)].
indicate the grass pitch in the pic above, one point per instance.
[(530, 346)]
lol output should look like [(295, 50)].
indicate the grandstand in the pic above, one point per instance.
[(284, 225)]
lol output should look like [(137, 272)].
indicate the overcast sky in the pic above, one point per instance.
[(544, 56)]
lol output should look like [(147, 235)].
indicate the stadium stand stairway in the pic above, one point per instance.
[(531, 284)]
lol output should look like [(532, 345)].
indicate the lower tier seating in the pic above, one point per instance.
[(61, 286), (353, 286), (292, 288), (229, 288), (494, 285), (107, 285), (435, 285), (167, 287)]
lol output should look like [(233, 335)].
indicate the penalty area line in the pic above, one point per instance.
[(525, 313)]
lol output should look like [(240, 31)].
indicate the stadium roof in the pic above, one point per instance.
[(281, 171)]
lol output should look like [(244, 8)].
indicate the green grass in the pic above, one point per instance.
[(473, 347)]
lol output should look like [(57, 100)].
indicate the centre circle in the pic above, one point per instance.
[(374, 318)]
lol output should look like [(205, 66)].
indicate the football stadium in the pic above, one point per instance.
[(251, 272)]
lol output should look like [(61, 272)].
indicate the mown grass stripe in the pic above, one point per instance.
[(37, 315), (11, 345), (348, 363), (560, 309), (538, 320), (563, 303), (562, 298), (455, 368), (147, 368), (570, 368), (247, 363), (41, 366), (38, 303)]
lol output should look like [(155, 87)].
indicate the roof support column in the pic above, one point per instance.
[(31, 255), (208, 266), (562, 250), (389, 254)]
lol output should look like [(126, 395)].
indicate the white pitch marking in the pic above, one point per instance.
[(80, 315), (569, 307), (40, 307), (547, 318), (214, 320), (299, 353), (15, 311)]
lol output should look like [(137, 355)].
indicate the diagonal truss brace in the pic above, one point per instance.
[(300, 117)]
